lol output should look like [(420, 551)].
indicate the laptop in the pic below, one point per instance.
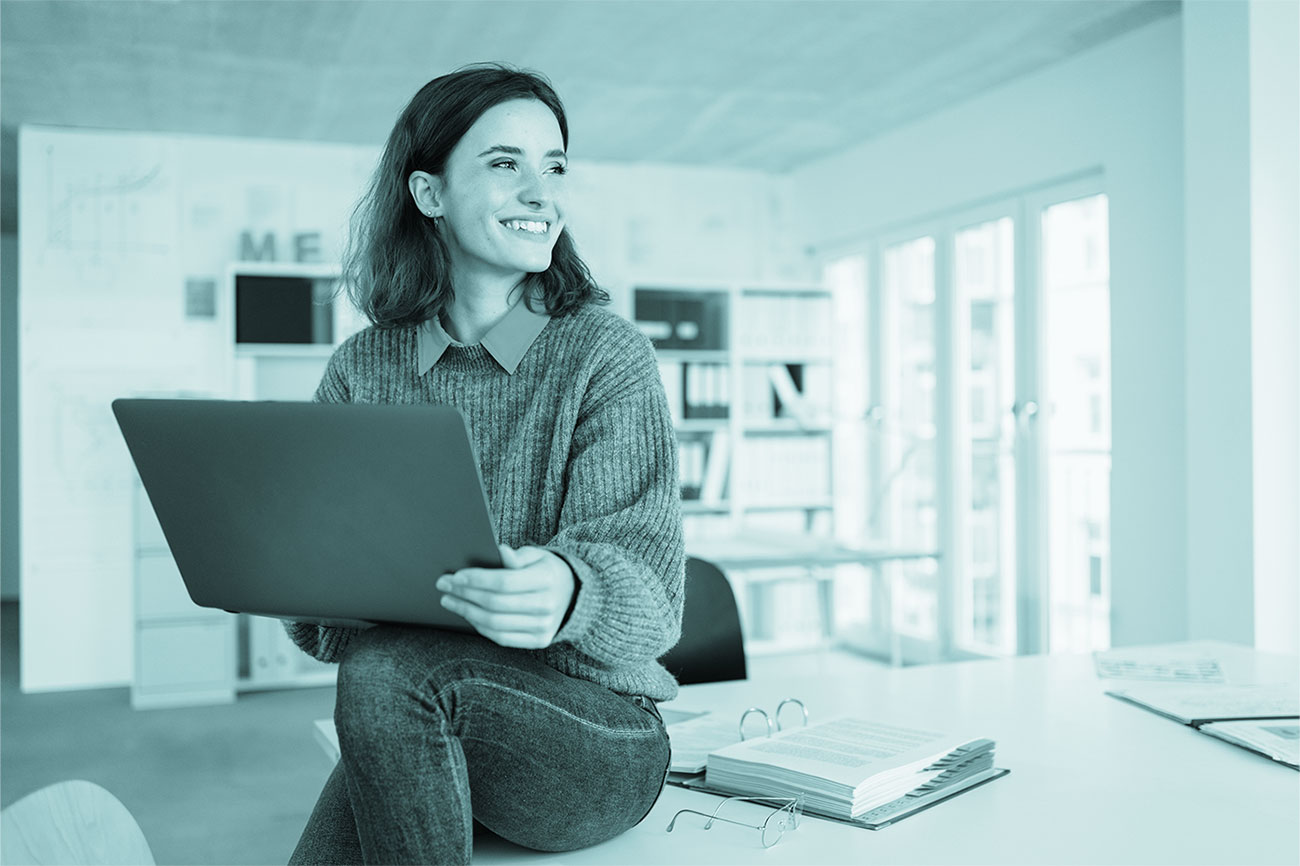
[(339, 514)]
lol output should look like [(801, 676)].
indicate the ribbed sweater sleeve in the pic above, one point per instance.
[(620, 525)]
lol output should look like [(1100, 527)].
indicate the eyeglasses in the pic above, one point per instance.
[(784, 816)]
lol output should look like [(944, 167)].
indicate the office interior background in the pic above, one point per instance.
[(1007, 287)]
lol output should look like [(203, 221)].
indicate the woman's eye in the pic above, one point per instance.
[(499, 163), (559, 169)]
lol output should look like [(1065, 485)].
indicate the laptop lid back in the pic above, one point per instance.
[(313, 511)]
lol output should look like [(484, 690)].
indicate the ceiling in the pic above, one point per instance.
[(764, 85)]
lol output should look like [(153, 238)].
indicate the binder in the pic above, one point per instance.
[(882, 816), (957, 769)]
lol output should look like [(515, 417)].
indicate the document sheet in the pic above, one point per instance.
[(1278, 739), (1143, 666), (693, 739), (1190, 704)]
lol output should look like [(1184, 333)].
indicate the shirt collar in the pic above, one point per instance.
[(507, 342)]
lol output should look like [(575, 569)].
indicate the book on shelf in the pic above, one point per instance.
[(671, 374), (784, 470), (794, 323), (798, 392), (714, 486), (847, 769)]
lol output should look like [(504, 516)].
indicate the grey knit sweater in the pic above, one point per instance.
[(577, 453)]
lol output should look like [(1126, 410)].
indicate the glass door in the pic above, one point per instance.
[(905, 500), (984, 308), (982, 383), (1075, 277)]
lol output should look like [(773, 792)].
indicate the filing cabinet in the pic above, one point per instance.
[(185, 655)]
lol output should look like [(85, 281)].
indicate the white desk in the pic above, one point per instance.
[(1093, 780)]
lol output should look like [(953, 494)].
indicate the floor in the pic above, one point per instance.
[(229, 784)]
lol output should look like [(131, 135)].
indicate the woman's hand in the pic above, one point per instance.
[(520, 605)]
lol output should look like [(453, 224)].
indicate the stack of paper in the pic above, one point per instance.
[(693, 739), (846, 767)]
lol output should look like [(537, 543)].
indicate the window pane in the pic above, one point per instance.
[(1076, 300), (905, 493), (983, 281), (847, 280)]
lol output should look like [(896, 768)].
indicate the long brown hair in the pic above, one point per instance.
[(395, 267)]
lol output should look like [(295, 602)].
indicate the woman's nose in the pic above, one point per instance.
[(532, 190)]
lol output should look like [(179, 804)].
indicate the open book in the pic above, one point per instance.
[(851, 769)]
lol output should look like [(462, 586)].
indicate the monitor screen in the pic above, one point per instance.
[(283, 309)]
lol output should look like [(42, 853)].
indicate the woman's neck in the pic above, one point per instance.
[(471, 314)]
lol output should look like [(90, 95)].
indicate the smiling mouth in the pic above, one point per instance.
[(532, 227)]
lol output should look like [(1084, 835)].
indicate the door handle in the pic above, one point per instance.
[(1025, 411)]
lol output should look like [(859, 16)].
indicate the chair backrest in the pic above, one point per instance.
[(712, 648), (73, 822)]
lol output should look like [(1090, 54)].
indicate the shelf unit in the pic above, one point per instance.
[(184, 654), (747, 372), (272, 370), (191, 655)]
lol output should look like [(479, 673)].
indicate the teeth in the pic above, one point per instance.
[(527, 225)]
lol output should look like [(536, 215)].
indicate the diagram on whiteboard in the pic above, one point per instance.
[(123, 203)]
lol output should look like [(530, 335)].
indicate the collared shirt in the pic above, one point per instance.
[(507, 342)]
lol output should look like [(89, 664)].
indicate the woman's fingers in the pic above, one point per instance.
[(506, 629), (520, 605), (503, 602), (499, 580)]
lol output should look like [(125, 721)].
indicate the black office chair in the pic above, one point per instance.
[(711, 649)]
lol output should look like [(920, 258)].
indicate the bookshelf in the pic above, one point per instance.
[(747, 373)]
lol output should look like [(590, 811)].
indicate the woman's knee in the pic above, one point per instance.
[(388, 670), (373, 675)]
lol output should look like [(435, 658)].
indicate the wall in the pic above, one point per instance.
[(1275, 320), (112, 228), (1116, 107), (1241, 98), (8, 416), (1216, 97), (113, 225)]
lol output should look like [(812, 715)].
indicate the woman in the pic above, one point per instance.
[(543, 725)]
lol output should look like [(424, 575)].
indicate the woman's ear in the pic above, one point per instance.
[(426, 190)]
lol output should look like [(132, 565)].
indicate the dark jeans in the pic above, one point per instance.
[(439, 729)]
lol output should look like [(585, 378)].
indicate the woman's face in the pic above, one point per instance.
[(500, 194)]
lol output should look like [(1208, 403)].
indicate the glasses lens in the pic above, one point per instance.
[(775, 826)]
